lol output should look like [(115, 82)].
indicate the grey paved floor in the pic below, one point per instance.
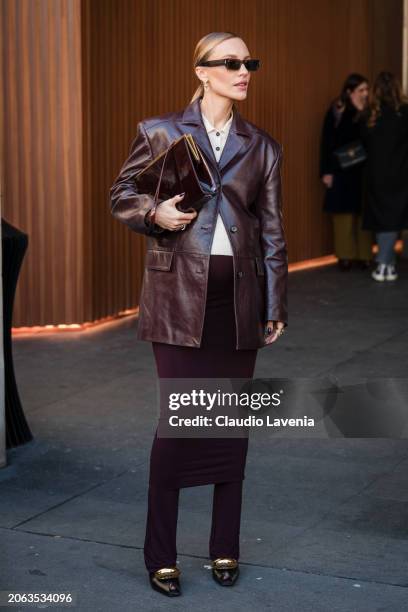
[(324, 522)]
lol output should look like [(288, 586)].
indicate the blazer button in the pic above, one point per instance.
[(233, 228), (240, 274)]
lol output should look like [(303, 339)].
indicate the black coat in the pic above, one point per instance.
[(386, 171), (345, 196)]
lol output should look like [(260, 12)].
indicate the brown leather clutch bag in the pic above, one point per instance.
[(180, 168)]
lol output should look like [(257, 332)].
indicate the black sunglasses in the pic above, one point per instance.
[(233, 64)]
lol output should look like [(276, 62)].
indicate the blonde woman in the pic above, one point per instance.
[(214, 290)]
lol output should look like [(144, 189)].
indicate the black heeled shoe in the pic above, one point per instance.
[(225, 571), (166, 581)]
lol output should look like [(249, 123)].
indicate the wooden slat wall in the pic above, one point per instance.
[(88, 71), (41, 64)]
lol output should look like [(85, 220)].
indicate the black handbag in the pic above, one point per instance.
[(351, 154), (180, 168)]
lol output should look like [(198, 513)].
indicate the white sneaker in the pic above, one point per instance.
[(391, 274), (379, 273)]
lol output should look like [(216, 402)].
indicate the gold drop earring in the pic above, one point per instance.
[(205, 85)]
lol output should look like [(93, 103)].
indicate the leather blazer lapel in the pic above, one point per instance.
[(237, 141)]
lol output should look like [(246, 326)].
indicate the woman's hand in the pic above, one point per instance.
[(275, 327), (168, 217), (328, 180)]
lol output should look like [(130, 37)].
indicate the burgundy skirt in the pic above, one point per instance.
[(187, 462)]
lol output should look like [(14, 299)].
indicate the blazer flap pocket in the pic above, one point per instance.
[(159, 260), (260, 269)]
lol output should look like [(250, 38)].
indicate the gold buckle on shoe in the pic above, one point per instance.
[(224, 563), (167, 572)]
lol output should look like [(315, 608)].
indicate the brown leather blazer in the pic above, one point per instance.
[(173, 296)]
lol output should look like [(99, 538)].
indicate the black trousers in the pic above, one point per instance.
[(160, 547)]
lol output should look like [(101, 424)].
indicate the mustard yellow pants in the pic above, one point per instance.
[(350, 241)]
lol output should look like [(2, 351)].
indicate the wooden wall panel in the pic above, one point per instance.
[(386, 36), (41, 62), (307, 49), (111, 63)]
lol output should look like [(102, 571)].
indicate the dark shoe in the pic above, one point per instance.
[(345, 264), (166, 581), (225, 571)]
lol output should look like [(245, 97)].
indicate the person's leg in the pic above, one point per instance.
[(226, 519), (386, 242), (404, 238), (344, 241), (161, 528)]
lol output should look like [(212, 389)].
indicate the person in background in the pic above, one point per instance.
[(385, 138), (343, 197)]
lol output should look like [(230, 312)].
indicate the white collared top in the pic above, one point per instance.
[(221, 244)]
